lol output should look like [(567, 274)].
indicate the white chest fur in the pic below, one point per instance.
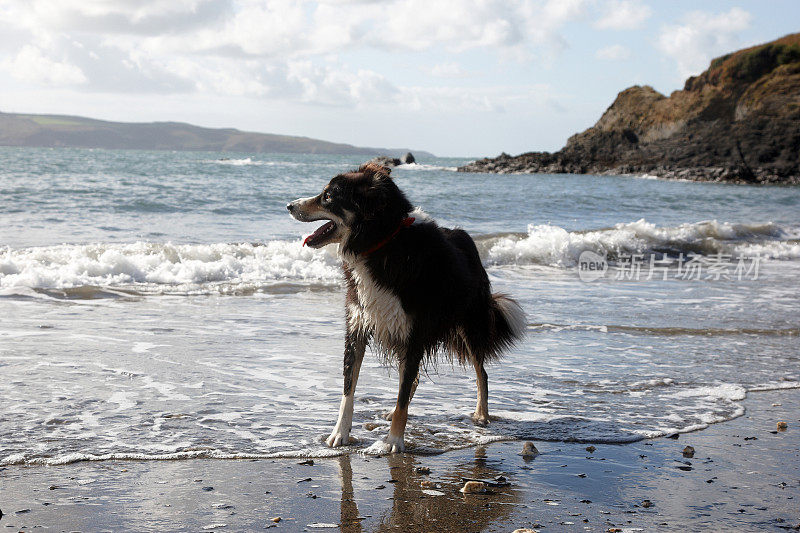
[(379, 310)]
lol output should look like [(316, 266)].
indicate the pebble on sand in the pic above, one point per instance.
[(473, 487), (647, 503), (688, 452), (423, 470), (524, 530), (529, 450), (782, 426), (590, 449), (426, 484), (370, 426), (276, 519)]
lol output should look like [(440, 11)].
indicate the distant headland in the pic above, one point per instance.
[(80, 132), (739, 122)]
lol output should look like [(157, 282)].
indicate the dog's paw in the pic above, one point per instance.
[(394, 444), (480, 420), (338, 438), (388, 415)]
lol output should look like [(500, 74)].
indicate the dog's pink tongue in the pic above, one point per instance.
[(320, 230)]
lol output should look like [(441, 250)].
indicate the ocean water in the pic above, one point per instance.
[(160, 305)]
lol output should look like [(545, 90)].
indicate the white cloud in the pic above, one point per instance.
[(615, 52), (30, 65), (282, 49), (302, 27), (448, 70), (138, 17), (338, 86), (490, 99), (701, 37), (623, 15)]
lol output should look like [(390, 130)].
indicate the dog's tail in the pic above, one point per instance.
[(508, 323)]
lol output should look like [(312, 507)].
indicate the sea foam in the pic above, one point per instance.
[(155, 266), (555, 246), (148, 267)]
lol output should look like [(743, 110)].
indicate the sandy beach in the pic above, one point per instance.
[(744, 475)]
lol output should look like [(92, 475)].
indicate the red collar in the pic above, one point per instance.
[(404, 224)]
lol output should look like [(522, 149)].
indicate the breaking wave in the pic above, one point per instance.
[(423, 166), (109, 270), (237, 162), (555, 246), (145, 267)]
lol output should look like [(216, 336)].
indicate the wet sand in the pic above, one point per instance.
[(744, 475)]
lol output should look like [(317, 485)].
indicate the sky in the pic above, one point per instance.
[(468, 78)]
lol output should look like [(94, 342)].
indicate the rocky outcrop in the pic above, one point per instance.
[(739, 121), (386, 161)]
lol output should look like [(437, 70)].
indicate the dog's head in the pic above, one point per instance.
[(360, 207)]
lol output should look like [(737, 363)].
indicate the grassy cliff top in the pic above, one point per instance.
[(760, 79)]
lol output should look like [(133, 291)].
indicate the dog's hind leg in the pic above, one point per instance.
[(409, 371), (481, 415), (390, 414), (355, 345)]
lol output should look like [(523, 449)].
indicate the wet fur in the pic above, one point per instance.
[(423, 291)]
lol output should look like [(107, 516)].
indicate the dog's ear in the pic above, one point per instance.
[(375, 170), (378, 187)]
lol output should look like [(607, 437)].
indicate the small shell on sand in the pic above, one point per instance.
[(782, 426), (423, 470), (647, 503), (276, 519), (529, 450), (473, 487), (688, 452), (425, 484), (524, 530), (370, 426)]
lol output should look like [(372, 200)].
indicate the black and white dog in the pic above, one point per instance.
[(412, 288)]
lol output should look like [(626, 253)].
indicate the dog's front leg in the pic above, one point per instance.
[(354, 348)]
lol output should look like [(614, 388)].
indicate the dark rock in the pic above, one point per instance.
[(723, 127), (385, 161), (407, 158)]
